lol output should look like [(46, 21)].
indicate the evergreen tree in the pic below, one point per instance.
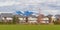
[(15, 19)]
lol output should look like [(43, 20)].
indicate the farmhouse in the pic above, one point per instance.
[(45, 20), (32, 19), (21, 18), (6, 16)]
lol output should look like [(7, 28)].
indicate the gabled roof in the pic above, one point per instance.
[(6, 14), (57, 16), (49, 15), (21, 16), (33, 16)]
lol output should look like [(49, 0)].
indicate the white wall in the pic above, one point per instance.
[(45, 20), (32, 20), (7, 18)]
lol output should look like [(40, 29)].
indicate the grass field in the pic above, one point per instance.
[(29, 27)]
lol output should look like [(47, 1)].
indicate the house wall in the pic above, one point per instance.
[(45, 20), (7, 18), (32, 20), (22, 20)]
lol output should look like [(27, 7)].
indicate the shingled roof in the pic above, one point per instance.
[(6, 15)]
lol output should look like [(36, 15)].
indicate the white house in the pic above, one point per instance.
[(45, 20), (21, 18), (32, 19), (7, 16)]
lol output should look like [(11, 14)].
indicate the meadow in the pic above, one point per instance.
[(29, 27)]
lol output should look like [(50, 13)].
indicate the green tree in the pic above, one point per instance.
[(15, 19)]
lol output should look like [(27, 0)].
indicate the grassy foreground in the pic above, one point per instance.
[(29, 27)]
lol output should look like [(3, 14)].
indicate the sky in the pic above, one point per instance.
[(38, 6)]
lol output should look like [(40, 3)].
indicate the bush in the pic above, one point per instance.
[(57, 22)]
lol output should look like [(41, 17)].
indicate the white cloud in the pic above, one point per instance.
[(24, 2), (27, 2), (53, 12), (51, 1), (44, 7), (9, 3)]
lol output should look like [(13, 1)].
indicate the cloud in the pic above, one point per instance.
[(9, 3), (23, 2), (47, 6), (54, 5), (53, 12)]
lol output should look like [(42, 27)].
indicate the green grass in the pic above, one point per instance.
[(29, 27)]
